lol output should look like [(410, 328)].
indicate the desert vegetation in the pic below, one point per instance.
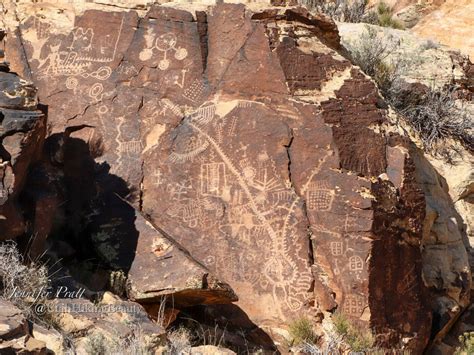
[(359, 340), (302, 332), (434, 114), (467, 344), (355, 11), (134, 344), (21, 281)]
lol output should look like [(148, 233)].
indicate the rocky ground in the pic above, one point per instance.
[(211, 178)]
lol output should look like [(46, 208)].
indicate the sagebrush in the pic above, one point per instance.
[(467, 344), (135, 344), (22, 282), (355, 11), (179, 341), (435, 115), (340, 10)]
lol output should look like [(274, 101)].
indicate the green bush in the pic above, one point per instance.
[(354, 11), (467, 344), (357, 339), (301, 331), (385, 17)]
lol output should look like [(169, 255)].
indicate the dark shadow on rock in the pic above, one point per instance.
[(77, 216), (227, 324)]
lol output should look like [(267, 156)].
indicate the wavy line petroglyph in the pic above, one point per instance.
[(76, 59), (280, 271)]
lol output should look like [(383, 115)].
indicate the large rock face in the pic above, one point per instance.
[(451, 24), (447, 194), (22, 132), (246, 138)]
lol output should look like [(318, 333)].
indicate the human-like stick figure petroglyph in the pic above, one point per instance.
[(247, 188), (165, 44)]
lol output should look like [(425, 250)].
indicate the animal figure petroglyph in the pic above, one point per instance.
[(251, 214), (76, 59)]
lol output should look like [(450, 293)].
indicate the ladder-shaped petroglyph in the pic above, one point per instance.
[(166, 44), (213, 179), (157, 177), (131, 147)]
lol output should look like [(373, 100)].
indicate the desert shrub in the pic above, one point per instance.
[(467, 344), (385, 17), (135, 344), (357, 339), (371, 50), (117, 282), (179, 341), (18, 276), (354, 11), (342, 10), (97, 344), (301, 331), (430, 44), (308, 348), (438, 116), (435, 116)]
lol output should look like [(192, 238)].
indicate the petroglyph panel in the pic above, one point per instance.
[(227, 176), (203, 120), (166, 46)]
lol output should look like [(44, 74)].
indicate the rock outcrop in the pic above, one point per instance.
[(451, 24), (15, 336), (165, 272), (22, 132), (256, 152)]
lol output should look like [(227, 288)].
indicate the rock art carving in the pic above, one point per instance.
[(76, 59), (219, 180), (251, 190), (166, 44)]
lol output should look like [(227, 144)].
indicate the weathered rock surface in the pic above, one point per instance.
[(15, 337), (409, 12), (113, 318), (450, 24), (22, 131), (448, 221), (243, 135), (421, 61), (12, 321), (164, 272)]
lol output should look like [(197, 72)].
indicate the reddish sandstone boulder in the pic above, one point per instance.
[(22, 132), (247, 139)]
